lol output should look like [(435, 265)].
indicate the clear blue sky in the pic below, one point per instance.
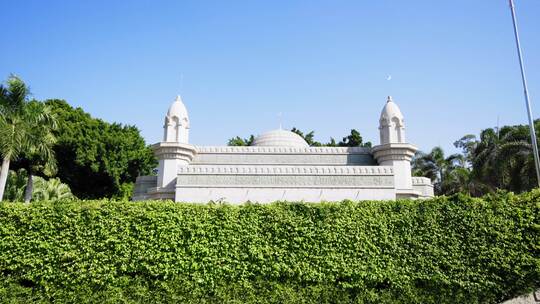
[(323, 64)]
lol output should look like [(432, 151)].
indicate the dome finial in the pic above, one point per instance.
[(389, 99), (178, 98)]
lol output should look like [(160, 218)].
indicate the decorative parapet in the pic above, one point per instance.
[(161, 193), (285, 159), (319, 182), (174, 150), (418, 180), (286, 150), (146, 179), (393, 151), (423, 186), (142, 184), (285, 170)]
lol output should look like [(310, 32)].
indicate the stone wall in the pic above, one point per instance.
[(142, 185), (241, 183), (423, 186), (225, 155)]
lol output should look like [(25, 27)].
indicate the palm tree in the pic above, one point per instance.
[(52, 189), (485, 162), (25, 128), (516, 159), (13, 124), (503, 159), (440, 169), (39, 145), (43, 190), (16, 184)]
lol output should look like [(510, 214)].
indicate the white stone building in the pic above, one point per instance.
[(280, 165)]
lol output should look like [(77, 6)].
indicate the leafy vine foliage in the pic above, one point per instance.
[(454, 249)]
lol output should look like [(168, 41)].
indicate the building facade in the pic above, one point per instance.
[(281, 166)]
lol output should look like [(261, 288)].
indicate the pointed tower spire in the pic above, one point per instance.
[(176, 128), (394, 150), (391, 126), (174, 151)]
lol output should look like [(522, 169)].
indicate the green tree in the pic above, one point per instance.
[(51, 190), (503, 159), (308, 137), (467, 144), (96, 158), (485, 156), (238, 141), (354, 140), (15, 186), (445, 172), (42, 190), (332, 143), (516, 157), (39, 154), (500, 158), (24, 128)]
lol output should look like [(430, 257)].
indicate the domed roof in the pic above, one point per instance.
[(177, 108), (280, 138), (391, 110)]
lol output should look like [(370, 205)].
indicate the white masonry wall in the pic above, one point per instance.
[(263, 184)]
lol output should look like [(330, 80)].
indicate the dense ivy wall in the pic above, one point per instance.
[(443, 250)]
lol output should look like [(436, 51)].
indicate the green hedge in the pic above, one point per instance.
[(444, 250)]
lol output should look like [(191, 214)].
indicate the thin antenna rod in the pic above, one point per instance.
[(526, 93), (181, 83), (280, 120)]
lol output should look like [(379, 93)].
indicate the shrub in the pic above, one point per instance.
[(444, 250), (44, 190)]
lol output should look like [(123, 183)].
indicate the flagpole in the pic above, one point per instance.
[(526, 93)]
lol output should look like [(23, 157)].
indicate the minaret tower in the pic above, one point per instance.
[(391, 127), (173, 151), (176, 128), (394, 150)]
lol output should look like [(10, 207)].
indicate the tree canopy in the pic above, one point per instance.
[(352, 140), (239, 141), (95, 158), (500, 158), (26, 128)]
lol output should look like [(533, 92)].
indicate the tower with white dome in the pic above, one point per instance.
[(393, 150), (391, 126), (176, 128), (174, 151)]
